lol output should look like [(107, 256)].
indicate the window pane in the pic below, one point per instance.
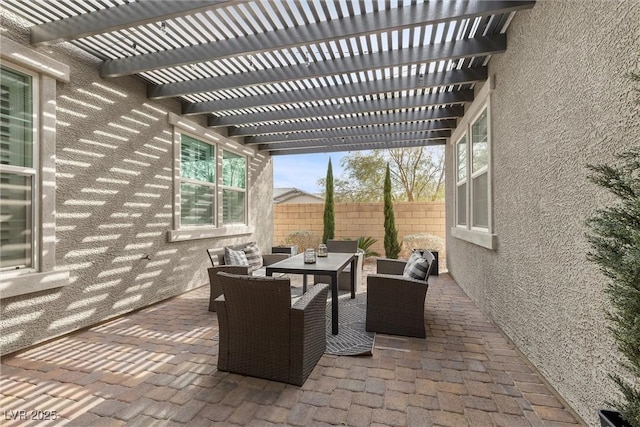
[(479, 138), (481, 201), (196, 207), (197, 160), (232, 206), (462, 204), (15, 221), (234, 170), (462, 158), (16, 121)]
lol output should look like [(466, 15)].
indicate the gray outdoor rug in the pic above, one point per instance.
[(352, 339)]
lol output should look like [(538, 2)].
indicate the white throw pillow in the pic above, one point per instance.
[(235, 257), (416, 267)]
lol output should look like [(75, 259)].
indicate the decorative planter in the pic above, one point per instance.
[(611, 418)]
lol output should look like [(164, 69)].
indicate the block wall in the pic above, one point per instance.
[(360, 219)]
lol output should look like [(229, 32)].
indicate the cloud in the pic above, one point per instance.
[(304, 170)]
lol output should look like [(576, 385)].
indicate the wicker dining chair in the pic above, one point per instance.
[(263, 335), (395, 303)]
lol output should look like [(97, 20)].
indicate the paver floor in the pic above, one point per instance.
[(157, 367)]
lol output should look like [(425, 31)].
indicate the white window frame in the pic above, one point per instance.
[(179, 232), (45, 72), (460, 182), (481, 236)]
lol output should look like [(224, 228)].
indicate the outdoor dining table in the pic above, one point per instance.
[(331, 266)]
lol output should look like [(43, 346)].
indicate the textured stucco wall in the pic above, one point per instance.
[(562, 100), (114, 207)]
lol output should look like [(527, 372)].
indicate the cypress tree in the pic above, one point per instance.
[(329, 214), (614, 234), (391, 245)]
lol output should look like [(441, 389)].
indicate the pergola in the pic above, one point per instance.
[(290, 76)]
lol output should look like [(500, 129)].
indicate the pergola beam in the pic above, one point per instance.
[(328, 148), (117, 18), (373, 105), (287, 98), (450, 50), (337, 122), (363, 139), (397, 58), (320, 32), (355, 139), (454, 77), (380, 130)]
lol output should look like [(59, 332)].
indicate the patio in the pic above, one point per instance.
[(157, 366)]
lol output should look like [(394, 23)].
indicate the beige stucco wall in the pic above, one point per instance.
[(562, 100), (353, 220), (114, 207)]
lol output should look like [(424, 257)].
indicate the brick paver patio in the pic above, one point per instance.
[(157, 366)]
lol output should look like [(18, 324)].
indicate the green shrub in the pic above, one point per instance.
[(614, 234), (304, 239)]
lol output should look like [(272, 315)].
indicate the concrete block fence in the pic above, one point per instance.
[(360, 219)]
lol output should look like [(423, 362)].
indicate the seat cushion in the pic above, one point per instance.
[(235, 257), (417, 267), (254, 256)]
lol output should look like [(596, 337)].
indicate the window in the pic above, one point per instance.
[(473, 176), (234, 176), (197, 182), (210, 184), (461, 191), (18, 175), (479, 174), (28, 171)]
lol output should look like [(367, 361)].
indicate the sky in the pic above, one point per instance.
[(303, 171)]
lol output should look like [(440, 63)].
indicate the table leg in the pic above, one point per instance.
[(304, 284), (354, 265), (334, 303)]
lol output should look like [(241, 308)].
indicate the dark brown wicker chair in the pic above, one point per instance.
[(395, 304), (217, 260), (263, 335)]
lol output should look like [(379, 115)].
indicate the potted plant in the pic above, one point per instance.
[(614, 235), (365, 243)]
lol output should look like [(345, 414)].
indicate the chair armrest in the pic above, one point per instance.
[(232, 269), (317, 294), (215, 288), (268, 259), (308, 332), (223, 333), (396, 280), (390, 266)]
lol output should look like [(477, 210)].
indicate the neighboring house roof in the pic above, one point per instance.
[(282, 195)]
